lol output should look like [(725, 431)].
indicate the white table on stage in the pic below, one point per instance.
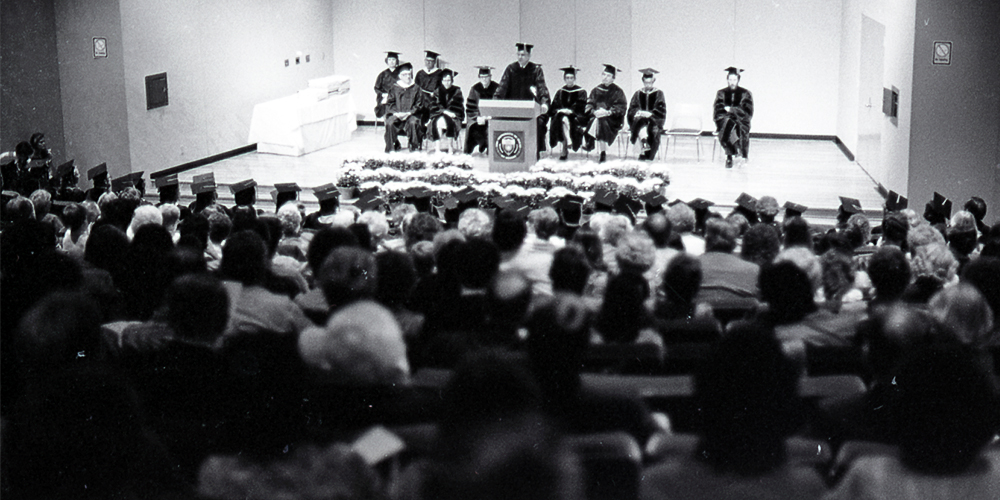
[(302, 123)]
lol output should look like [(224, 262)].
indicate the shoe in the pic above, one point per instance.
[(729, 161), (564, 156), (397, 146), (604, 157)]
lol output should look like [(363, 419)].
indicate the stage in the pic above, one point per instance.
[(809, 172)]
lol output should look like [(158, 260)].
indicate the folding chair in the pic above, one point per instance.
[(685, 122)]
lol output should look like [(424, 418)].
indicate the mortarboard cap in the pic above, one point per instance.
[(794, 209), (604, 196), (850, 205), (432, 54), (393, 54), (97, 171), (166, 180), (895, 202), (733, 70), (450, 72), (747, 202), (467, 194), (628, 207), (136, 181), (485, 70), (524, 46), (64, 169), (611, 69), (696, 204), (241, 186), (941, 204), (287, 187), (404, 67), (648, 72), (326, 192), (569, 70), (285, 192), (369, 199), (120, 183), (678, 201), (654, 199), (204, 183), (570, 208)]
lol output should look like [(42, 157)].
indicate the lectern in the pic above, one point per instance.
[(513, 133)]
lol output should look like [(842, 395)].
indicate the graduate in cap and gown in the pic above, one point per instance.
[(99, 176), (447, 111), (477, 134), (384, 82), (524, 80), (67, 178), (404, 109), (646, 113), (733, 110), (606, 107), (429, 78), (567, 115)]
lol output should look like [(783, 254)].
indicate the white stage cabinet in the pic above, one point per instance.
[(312, 119)]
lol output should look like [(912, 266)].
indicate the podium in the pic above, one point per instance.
[(513, 134)]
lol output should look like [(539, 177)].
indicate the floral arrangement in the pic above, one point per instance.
[(397, 175)]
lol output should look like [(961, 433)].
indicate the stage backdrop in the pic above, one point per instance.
[(790, 49)]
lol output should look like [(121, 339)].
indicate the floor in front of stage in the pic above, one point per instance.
[(809, 172)]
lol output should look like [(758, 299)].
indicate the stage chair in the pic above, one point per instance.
[(685, 122), (611, 463), (715, 143), (623, 142)]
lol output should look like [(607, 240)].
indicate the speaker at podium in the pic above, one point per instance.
[(513, 133)]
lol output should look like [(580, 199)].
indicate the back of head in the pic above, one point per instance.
[(681, 217), (658, 227), (934, 260), (545, 222), (170, 214), (20, 208), (508, 299), (396, 278), (145, 214), (761, 244), (623, 313), (838, 274), (479, 262), (197, 307), (592, 247), (858, 230), (895, 225), (807, 261), (682, 279), (984, 274), (635, 253), (106, 247), (947, 410), (62, 329), (348, 274), (74, 216), (42, 201), (797, 232), (558, 336), (325, 241), (720, 236), (363, 234), (889, 272), (244, 259), (616, 227), (923, 234), (965, 311), (475, 223), (198, 227), (360, 345), (422, 227), (748, 396), (509, 230), (569, 270), (378, 226), (219, 227), (787, 291), (290, 218), (893, 332)]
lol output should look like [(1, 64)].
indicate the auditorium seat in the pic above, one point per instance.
[(611, 463), (639, 359)]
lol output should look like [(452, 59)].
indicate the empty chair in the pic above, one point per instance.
[(685, 121)]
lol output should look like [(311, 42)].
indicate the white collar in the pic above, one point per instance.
[(400, 83)]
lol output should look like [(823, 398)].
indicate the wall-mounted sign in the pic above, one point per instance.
[(942, 53), (100, 47)]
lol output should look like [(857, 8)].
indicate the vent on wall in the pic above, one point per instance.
[(156, 91)]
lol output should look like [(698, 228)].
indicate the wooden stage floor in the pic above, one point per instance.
[(809, 172)]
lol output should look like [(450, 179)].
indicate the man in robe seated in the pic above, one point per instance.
[(486, 88), (606, 108), (567, 114), (646, 114), (403, 109)]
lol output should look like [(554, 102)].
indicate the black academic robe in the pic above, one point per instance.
[(517, 83), (655, 103), (574, 99), (386, 79), (610, 97), (450, 99), (476, 136), (734, 126), (401, 100), (428, 81)]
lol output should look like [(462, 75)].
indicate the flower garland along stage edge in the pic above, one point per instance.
[(399, 175)]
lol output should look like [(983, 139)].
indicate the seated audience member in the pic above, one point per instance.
[(194, 230), (570, 270), (889, 272), (349, 274), (219, 227), (761, 244), (475, 223), (171, 215), (934, 267), (252, 308), (808, 262), (682, 218), (895, 225), (964, 310), (508, 300), (658, 227), (886, 338), (42, 201), (623, 318), (984, 274), (291, 243), (74, 242), (858, 232), (635, 254), (20, 208), (378, 228), (611, 229), (404, 108), (839, 289), (681, 283), (592, 247), (421, 227), (146, 214), (727, 280), (748, 396), (146, 274), (796, 233), (945, 415), (923, 234), (558, 337), (397, 278), (963, 238)]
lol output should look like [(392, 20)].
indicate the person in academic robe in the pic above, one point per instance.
[(524, 80), (447, 112), (67, 178), (567, 115), (99, 176), (386, 79), (733, 111), (429, 78), (646, 113), (477, 134), (404, 109), (605, 110)]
